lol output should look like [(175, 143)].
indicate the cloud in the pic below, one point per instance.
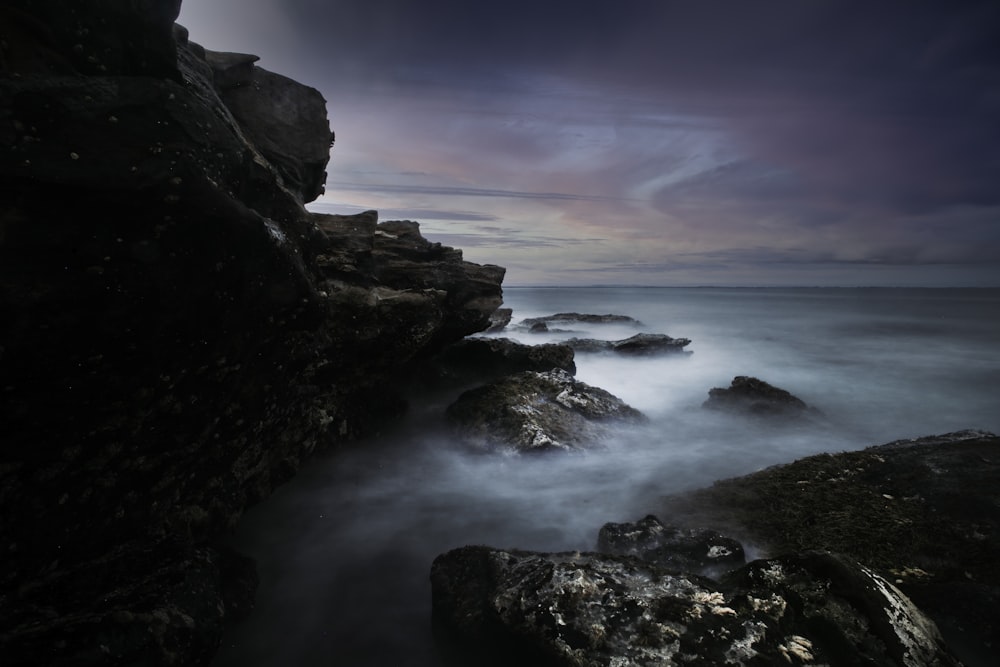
[(822, 133), (454, 191)]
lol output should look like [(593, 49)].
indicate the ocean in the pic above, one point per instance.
[(344, 550)]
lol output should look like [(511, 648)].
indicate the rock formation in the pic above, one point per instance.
[(751, 396), (586, 609), (482, 359), (923, 513), (639, 344), (885, 556), (538, 412), (179, 333), (696, 550), (500, 319)]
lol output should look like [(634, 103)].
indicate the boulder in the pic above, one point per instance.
[(586, 609), (923, 513), (538, 412), (697, 550), (639, 344), (748, 395)]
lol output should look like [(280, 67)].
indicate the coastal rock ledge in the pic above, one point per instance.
[(591, 610), (178, 332)]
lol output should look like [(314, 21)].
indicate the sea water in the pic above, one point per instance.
[(344, 550)]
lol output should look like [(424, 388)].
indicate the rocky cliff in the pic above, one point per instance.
[(178, 332)]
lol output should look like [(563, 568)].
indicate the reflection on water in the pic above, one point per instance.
[(344, 550)]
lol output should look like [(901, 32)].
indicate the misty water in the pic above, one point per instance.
[(345, 549)]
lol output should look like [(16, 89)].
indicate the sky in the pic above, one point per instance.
[(657, 142)]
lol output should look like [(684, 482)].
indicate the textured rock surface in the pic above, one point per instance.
[(500, 319), (538, 412), (755, 397), (484, 359), (284, 119), (923, 513), (697, 550), (178, 332), (643, 343), (585, 609)]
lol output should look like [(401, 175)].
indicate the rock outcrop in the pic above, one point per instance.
[(538, 412), (748, 395), (923, 513), (696, 550), (179, 333), (585, 609), (483, 359), (285, 120), (639, 344), (500, 319)]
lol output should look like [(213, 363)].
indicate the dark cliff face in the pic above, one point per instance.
[(178, 332)]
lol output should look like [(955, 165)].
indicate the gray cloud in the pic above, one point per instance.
[(455, 191), (822, 131)]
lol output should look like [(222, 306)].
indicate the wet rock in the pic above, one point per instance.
[(482, 359), (538, 412), (499, 320), (639, 344), (697, 550), (923, 513), (751, 396), (577, 609)]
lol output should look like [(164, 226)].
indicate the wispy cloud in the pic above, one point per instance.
[(705, 135), (456, 191)]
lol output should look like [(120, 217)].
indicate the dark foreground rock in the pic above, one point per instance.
[(639, 344), (923, 513), (585, 609), (178, 333), (538, 412), (697, 550), (751, 396)]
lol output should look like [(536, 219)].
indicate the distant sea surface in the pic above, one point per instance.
[(344, 550)]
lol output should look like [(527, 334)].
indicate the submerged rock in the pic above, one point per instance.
[(538, 412), (585, 609), (749, 395), (697, 550), (639, 344), (585, 318)]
